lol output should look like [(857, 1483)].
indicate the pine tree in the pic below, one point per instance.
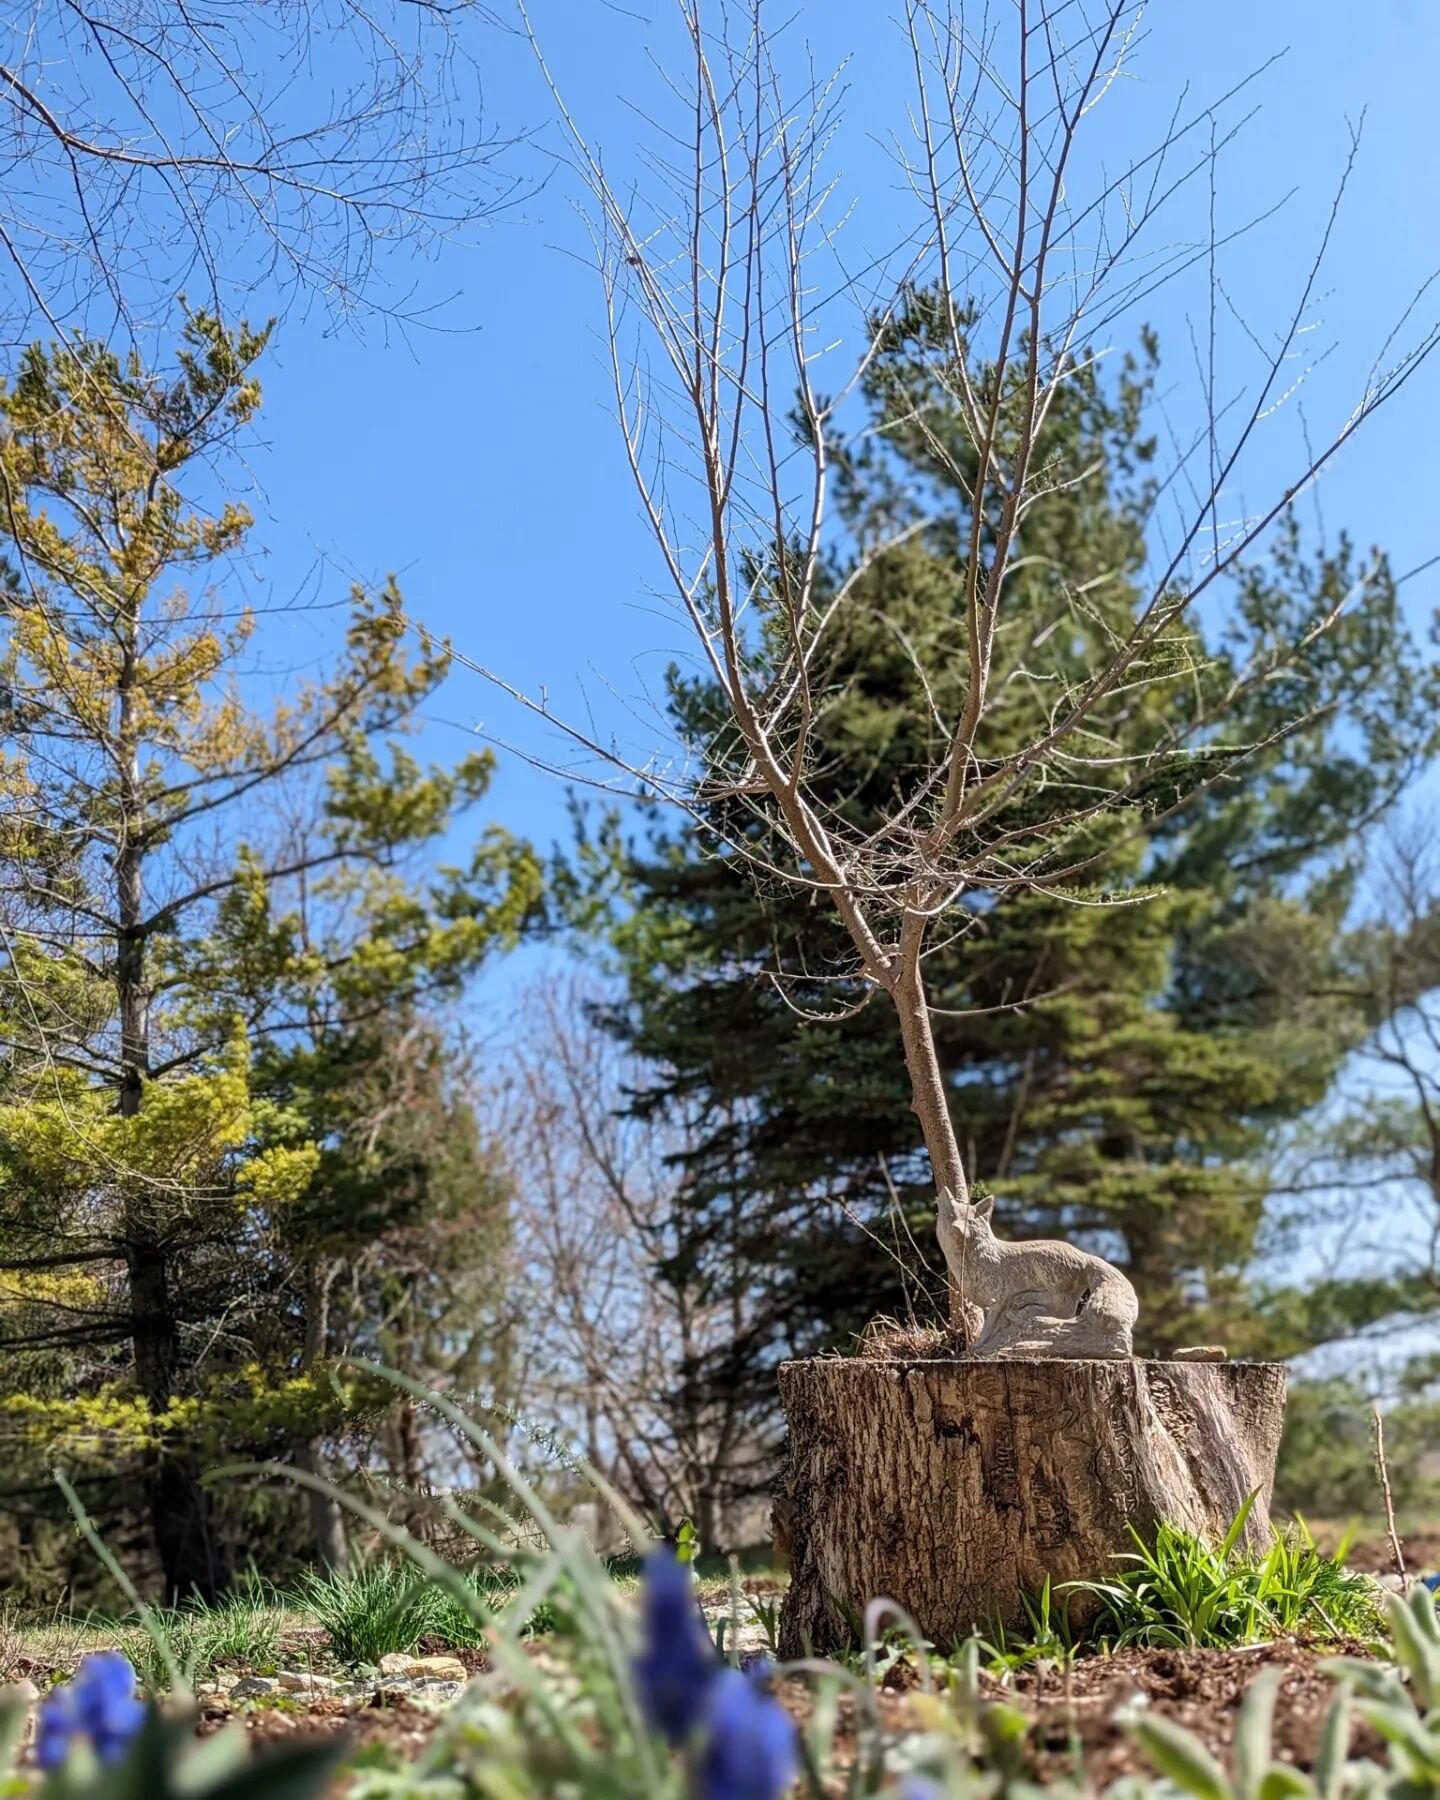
[(1114, 1071), (189, 889)]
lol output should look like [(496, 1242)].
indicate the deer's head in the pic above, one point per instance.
[(971, 1222)]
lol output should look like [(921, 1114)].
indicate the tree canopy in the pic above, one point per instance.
[(219, 949)]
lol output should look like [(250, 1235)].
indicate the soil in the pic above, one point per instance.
[(1199, 1689), (388, 1719), (1080, 1712), (1373, 1555)]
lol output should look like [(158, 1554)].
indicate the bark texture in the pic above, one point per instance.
[(955, 1488)]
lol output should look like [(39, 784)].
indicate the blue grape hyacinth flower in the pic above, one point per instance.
[(750, 1748), (100, 1704), (677, 1663)]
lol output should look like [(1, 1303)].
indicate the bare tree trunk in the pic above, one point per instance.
[(956, 1488), (327, 1524), (931, 1106), (410, 1447)]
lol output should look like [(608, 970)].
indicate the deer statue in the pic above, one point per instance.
[(1037, 1299)]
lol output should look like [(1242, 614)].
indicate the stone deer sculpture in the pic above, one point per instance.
[(1037, 1299)]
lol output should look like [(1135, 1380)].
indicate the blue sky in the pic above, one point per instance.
[(481, 461)]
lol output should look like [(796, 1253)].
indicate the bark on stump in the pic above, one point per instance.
[(955, 1488)]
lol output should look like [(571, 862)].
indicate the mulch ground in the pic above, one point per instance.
[(1079, 1715), (387, 1719), (1083, 1712)]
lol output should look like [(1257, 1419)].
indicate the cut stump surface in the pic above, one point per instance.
[(956, 1488)]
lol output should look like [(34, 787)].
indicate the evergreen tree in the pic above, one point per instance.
[(190, 891), (1114, 1070)]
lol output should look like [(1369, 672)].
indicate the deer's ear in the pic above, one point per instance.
[(984, 1208)]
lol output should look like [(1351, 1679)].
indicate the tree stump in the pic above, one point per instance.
[(956, 1487)]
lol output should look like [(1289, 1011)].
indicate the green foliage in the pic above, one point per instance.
[(1327, 1461), (1046, 1640), (224, 1081), (242, 1631), (571, 1722), (386, 1606), (1406, 1712), (1183, 1593), (375, 1609)]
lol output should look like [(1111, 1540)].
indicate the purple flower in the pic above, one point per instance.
[(677, 1664), (750, 1745), (55, 1727), (921, 1787), (99, 1704)]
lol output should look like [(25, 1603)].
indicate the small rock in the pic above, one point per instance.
[(438, 1668), (1200, 1353), (301, 1681), (251, 1688), (395, 1664), (437, 1693)]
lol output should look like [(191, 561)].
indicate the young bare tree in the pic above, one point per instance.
[(730, 292), (158, 146), (1370, 1167), (625, 1308)]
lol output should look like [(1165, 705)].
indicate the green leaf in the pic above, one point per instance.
[(1180, 1755), (213, 1758), (12, 1729), (1238, 1523), (1282, 1783), (1253, 1732), (1401, 1726), (1415, 1651), (1333, 1747)]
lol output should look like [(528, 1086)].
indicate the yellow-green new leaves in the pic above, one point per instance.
[(242, 1410), (222, 921), (181, 1154)]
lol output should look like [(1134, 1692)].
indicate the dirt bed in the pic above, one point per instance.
[(388, 1719), (1082, 1712), (1199, 1689)]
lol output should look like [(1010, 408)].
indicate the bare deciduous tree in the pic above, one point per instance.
[(1376, 1166), (730, 291), (152, 147), (622, 1308)]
